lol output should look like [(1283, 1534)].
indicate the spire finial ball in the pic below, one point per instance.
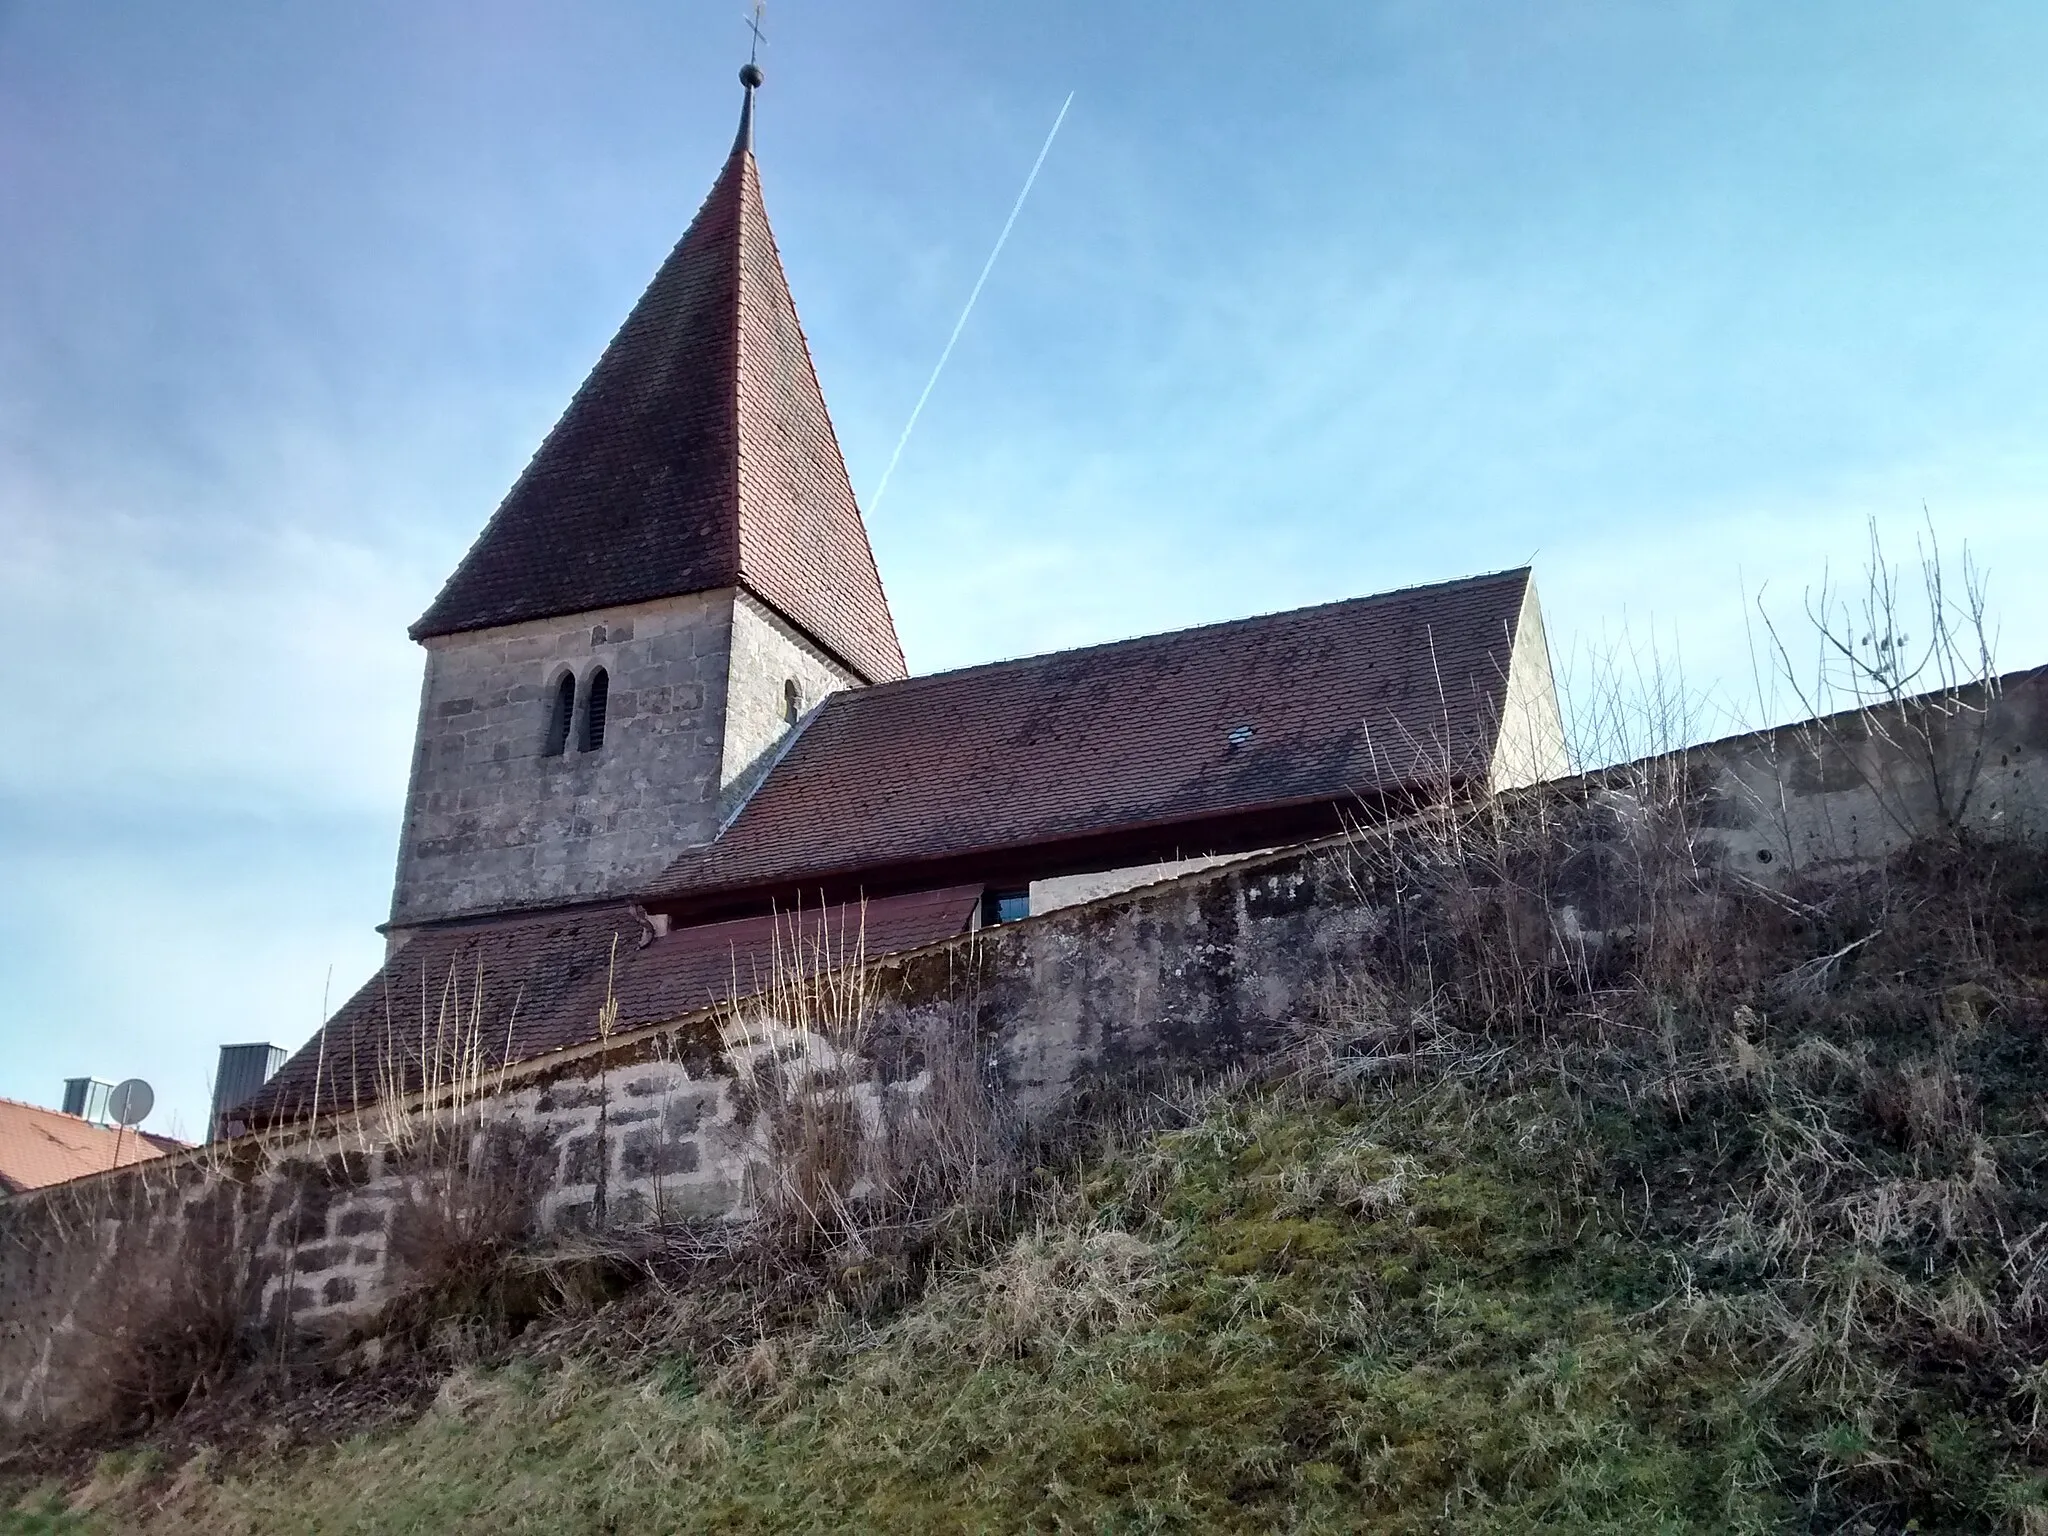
[(750, 75)]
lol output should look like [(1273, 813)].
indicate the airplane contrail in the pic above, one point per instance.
[(959, 325)]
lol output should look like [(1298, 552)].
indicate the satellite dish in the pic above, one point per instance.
[(131, 1102)]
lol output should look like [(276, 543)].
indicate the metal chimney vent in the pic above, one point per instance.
[(86, 1097), (243, 1069)]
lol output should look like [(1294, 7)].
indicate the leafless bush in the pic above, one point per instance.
[(1626, 700), (467, 1215), (1510, 916), (1358, 1032), (859, 1132), (172, 1312), (1905, 662)]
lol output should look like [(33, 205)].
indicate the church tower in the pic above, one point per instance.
[(680, 574)]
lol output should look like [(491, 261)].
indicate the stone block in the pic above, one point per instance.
[(283, 1304), (575, 1216), (646, 1153), (628, 1208), (573, 1093), (583, 1159), (687, 1113), (359, 1221), (306, 1221)]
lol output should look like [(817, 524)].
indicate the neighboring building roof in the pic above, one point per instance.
[(697, 455), (1305, 712), (39, 1147), (543, 980)]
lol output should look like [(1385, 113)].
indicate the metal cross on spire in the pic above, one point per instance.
[(754, 26)]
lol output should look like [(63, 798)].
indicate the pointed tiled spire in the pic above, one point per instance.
[(698, 454)]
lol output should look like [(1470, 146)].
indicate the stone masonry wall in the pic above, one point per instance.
[(1192, 974), (767, 653), (492, 821), (1857, 787)]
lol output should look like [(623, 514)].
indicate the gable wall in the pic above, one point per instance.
[(1531, 747), (766, 652)]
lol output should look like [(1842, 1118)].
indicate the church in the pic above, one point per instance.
[(667, 727)]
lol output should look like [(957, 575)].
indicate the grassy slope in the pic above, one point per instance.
[(1281, 1317), (1774, 1273), (1315, 1315)]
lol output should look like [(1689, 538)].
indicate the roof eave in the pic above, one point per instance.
[(1242, 829)]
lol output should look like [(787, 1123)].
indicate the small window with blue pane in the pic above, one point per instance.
[(1005, 907)]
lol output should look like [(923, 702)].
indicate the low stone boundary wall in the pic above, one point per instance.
[(318, 1230)]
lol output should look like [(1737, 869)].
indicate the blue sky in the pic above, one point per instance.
[(1307, 302)]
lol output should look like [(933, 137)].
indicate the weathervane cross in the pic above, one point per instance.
[(754, 26)]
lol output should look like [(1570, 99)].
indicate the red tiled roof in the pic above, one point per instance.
[(39, 1147), (697, 455), (1344, 701), (542, 982)]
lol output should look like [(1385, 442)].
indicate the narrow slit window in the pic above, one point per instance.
[(561, 716), (593, 710), (792, 702)]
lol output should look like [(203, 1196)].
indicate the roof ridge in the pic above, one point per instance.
[(91, 1125), (45, 1109), (855, 625), (859, 665), (554, 908), (1369, 599), (737, 165)]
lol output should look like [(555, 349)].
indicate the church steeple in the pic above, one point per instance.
[(698, 455)]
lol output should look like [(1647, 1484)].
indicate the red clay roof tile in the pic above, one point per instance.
[(40, 1147), (522, 987), (1320, 706)]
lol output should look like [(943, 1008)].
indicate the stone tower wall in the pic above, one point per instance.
[(767, 654), (493, 821)]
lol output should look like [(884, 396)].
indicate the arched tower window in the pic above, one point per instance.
[(792, 702), (562, 713), (593, 710)]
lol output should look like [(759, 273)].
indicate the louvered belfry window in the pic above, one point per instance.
[(563, 715), (593, 710)]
